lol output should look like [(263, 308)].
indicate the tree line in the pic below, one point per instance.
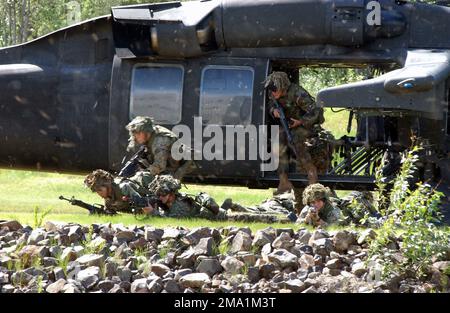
[(24, 20)]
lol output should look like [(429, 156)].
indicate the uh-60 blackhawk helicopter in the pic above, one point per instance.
[(66, 97)]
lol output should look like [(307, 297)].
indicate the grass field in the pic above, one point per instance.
[(21, 192)]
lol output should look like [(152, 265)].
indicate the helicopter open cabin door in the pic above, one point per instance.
[(142, 88), (230, 111)]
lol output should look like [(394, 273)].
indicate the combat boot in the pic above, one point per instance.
[(284, 185), (208, 202), (228, 204)]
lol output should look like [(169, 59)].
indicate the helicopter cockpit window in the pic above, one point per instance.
[(226, 95), (156, 91)]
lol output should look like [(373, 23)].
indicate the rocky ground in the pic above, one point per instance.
[(70, 258)]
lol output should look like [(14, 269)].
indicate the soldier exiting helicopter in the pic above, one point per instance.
[(158, 142), (304, 117)]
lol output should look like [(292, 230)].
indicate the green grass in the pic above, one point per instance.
[(22, 191), (336, 122)]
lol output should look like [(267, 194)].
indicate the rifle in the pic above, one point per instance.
[(285, 125), (137, 202), (131, 167), (92, 208)]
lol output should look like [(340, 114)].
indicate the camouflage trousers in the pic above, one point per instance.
[(257, 218), (209, 215), (304, 159)]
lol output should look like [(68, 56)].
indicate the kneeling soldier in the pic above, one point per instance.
[(158, 142)]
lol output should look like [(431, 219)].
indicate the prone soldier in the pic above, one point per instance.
[(358, 208), (116, 191), (318, 210), (173, 203)]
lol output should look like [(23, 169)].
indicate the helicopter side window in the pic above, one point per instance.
[(156, 91), (226, 95)]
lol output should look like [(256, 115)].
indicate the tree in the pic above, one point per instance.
[(23, 20), (14, 21)]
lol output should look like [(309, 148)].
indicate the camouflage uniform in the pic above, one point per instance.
[(159, 159), (270, 211), (279, 204), (185, 206), (328, 213), (320, 147), (300, 105), (120, 188), (202, 206), (358, 206)]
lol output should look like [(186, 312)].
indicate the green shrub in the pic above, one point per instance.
[(410, 214)]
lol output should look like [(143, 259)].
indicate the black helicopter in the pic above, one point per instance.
[(66, 97)]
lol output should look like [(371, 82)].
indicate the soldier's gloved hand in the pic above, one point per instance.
[(148, 210), (276, 113), (294, 123)]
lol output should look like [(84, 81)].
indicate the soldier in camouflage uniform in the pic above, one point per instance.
[(358, 208), (304, 117), (275, 209), (176, 204), (158, 141), (319, 209), (116, 191)]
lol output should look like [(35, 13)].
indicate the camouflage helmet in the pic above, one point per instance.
[(97, 179), (315, 192), (164, 184), (279, 80), (140, 124)]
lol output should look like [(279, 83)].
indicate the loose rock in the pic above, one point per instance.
[(241, 242), (283, 258), (91, 260), (232, 265), (11, 225), (195, 280), (209, 267), (57, 286)]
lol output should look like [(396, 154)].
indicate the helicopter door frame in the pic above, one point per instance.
[(120, 110), (227, 171)]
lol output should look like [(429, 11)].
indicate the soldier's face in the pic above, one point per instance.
[(103, 192), (318, 204), (277, 94), (167, 199), (141, 137)]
